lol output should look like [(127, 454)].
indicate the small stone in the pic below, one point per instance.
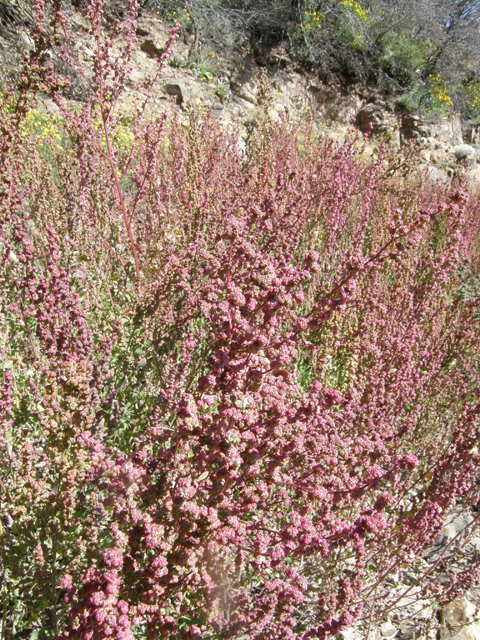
[(350, 634), (388, 630), (459, 612), (88, 53)]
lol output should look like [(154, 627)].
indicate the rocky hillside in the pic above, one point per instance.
[(230, 87)]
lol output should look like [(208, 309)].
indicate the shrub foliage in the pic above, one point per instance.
[(240, 383)]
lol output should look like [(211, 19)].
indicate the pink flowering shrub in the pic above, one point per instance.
[(240, 388)]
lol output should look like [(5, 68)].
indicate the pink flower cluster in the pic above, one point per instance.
[(301, 329), (243, 387)]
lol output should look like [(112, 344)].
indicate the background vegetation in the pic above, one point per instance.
[(427, 51)]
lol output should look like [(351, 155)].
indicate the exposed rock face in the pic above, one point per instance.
[(249, 92), (412, 127), (460, 621), (332, 107), (375, 118), (449, 130), (380, 120), (333, 104)]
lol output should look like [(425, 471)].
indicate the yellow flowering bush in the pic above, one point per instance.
[(354, 20), (43, 125), (472, 96), (349, 25), (37, 122), (440, 101), (313, 20), (355, 8)]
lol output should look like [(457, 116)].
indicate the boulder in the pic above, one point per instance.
[(152, 48), (459, 618), (438, 175), (470, 632), (249, 92), (449, 130), (464, 152), (458, 519), (374, 118), (177, 88), (458, 612), (413, 127)]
